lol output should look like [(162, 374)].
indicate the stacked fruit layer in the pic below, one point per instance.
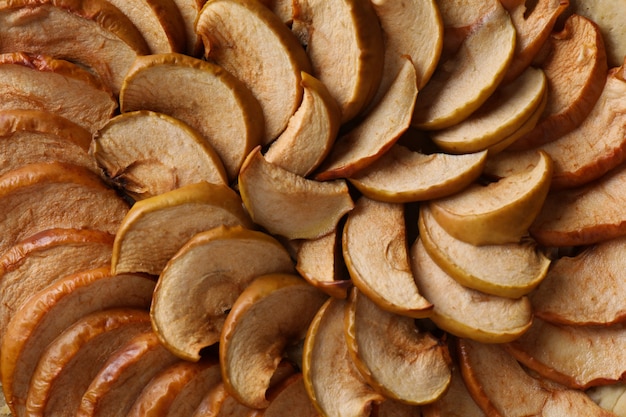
[(339, 207)]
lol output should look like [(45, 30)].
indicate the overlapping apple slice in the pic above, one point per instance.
[(151, 232), (455, 402), (219, 402), (611, 397), (290, 398), (199, 285), (134, 151)]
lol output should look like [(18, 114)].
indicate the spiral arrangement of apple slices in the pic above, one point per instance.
[(312, 207)]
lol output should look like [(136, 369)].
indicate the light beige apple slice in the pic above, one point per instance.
[(290, 398), (50, 311), (95, 34), (500, 212), (224, 111), (39, 82), (507, 270), (210, 271), (402, 175), (281, 8), (222, 24), (379, 343), (70, 362), (151, 232), (464, 81), (333, 383), (133, 151), (376, 133), (310, 133), (610, 397), (466, 312), (288, 204), (353, 72), (283, 305), (455, 402), (375, 250)]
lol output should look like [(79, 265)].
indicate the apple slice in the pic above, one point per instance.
[(507, 270), (465, 312), (610, 397), (403, 176), (210, 271), (189, 10), (95, 34), (500, 212), (223, 111), (284, 9), (377, 132), (380, 342), (288, 204), (51, 310), (290, 398), (455, 402), (218, 402), (132, 150), (310, 133), (283, 305), (334, 384), (222, 24), (69, 363), (150, 234), (392, 408), (375, 251), (353, 72)]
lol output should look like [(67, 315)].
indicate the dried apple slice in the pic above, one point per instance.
[(455, 402), (500, 212), (219, 402), (465, 312), (290, 398), (222, 24), (223, 111), (283, 305), (310, 133), (288, 204), (189, 10), (507, 270), (210, 271), (150, 234), (352, 73), (132, 150), (610, 397), (375, 251), (380, 342)]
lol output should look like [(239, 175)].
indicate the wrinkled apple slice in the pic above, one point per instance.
[(199, 285), (375, 251), (403, 176), (225, 29), (151, 233), (70, 362), (464, 81), (352, 73), (610, 397), (283, 305), (379, 343), (290, 398), (223, 111), (290, 205), (334, 384), (455, 402), (374, 135), (500, 212), (507, 270), (310, 133), (132, 150), (465, 312)]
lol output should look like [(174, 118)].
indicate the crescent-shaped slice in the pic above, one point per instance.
[(282, 305), (151, 232), (199, 285)]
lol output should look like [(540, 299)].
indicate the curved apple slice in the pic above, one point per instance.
[(290, 205), (500, 212), (334, 384), (403, 176), (151, 234), (290, 398), (376, 254), (283, 305), (455, 402), (379, 343), (223, 111), (219, 402), (310, 133), (222, 24), (210, 271), (70, 362), (352, 73), (465, 312), (610, 397), (131, 150), (507, 270), (189, 10)]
